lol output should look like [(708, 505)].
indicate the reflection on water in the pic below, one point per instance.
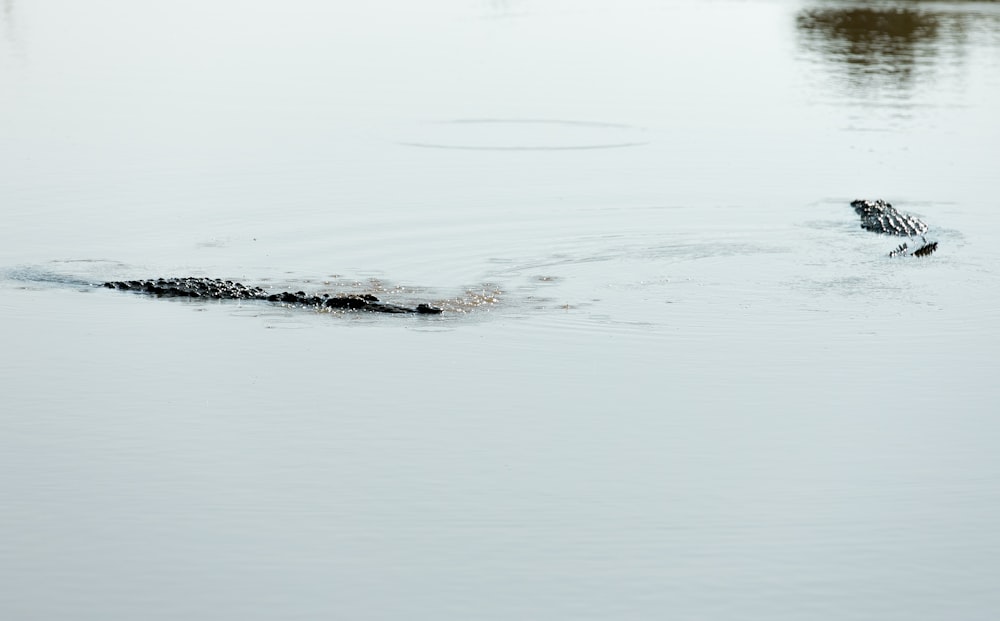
[(876, 46), (888, 46), (8, 21)]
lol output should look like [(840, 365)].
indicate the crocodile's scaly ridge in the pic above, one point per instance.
[(217, 289), (881, 217)]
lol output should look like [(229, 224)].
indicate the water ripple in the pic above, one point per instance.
[(495, 134)]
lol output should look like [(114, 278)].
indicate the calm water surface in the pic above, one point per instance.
[(675, 379)]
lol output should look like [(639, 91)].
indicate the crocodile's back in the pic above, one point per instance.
[(191, 288), (879, 216), (214, 288)]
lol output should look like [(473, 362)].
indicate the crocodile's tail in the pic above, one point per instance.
[(926, 249), (879, 216)]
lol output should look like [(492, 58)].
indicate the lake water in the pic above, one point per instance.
[(674, 378)]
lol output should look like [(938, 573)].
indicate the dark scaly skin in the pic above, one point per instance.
[(216, 289), (879, 216), (925, 250)]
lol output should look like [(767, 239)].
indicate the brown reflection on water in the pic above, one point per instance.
[(8, 19), (889, 45)]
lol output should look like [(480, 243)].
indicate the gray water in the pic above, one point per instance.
[(674, 378)]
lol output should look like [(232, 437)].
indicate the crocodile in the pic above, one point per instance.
[(881, 217), (216, 289)]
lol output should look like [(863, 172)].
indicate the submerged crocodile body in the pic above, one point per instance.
[(216, 289), (879, 216)]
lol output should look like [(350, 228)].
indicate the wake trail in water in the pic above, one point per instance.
[(38, 275)]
